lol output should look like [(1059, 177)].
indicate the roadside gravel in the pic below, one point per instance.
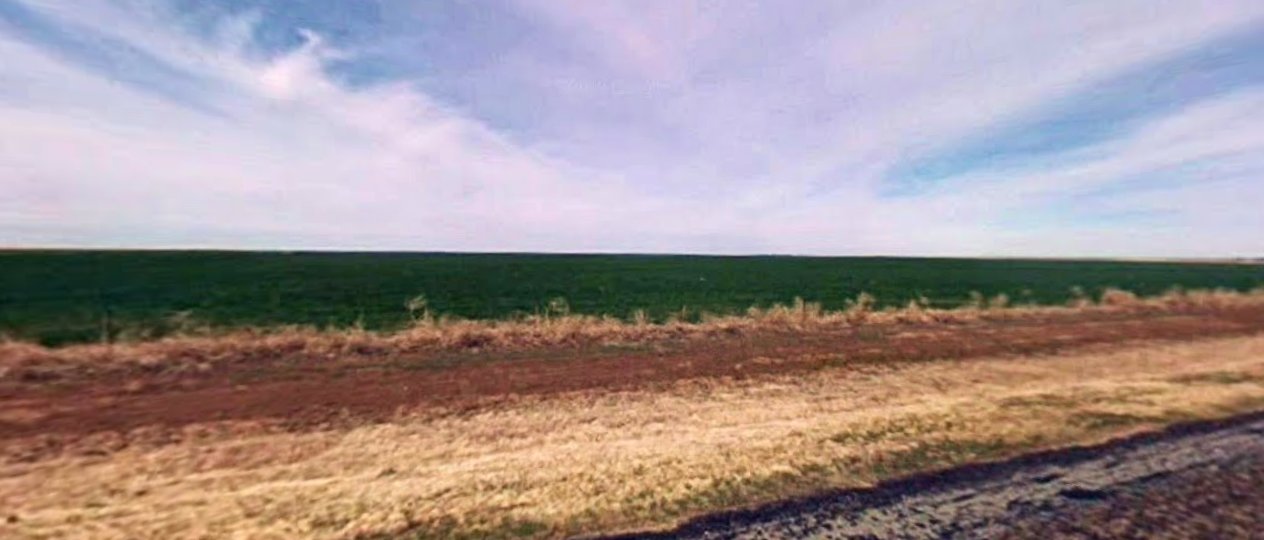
[(1192, 481)]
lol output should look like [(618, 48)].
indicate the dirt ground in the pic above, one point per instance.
[(586, 439), (309, 395)]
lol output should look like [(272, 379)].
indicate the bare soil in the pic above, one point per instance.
[(298, 394)]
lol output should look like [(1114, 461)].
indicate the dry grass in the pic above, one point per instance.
[(583, 462), (555, 327)]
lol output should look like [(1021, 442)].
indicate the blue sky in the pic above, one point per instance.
[(994, 128)]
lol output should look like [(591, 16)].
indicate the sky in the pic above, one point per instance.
[(851, 127)]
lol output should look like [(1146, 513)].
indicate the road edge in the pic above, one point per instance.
[(937, 480)]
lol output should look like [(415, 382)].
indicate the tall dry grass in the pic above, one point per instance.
[(555, 326), (605, 461)]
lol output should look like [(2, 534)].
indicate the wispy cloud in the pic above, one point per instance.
[(1102, 110), (1038, 128)]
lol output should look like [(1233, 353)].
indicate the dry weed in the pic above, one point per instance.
[(554, 327), (594, 461)]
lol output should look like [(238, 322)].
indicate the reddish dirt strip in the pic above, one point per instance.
[(311, 395)]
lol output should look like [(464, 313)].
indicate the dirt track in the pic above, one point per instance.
[(297, 395), (534, 443), (1192, 481)]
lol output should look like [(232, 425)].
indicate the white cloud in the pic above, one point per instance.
[(295, 157), (752, 128)]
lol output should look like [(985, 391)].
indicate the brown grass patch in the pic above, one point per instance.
[(607, 461)]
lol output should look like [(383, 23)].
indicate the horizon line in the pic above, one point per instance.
[(1236, 259)]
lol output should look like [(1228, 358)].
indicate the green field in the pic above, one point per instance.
[(57, 297)]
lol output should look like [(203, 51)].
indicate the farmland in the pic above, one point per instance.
[(570, 422), (59, 297)]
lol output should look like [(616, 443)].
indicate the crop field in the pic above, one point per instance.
[(58, 297)]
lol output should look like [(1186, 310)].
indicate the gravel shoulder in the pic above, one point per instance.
[(1202, 480)]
